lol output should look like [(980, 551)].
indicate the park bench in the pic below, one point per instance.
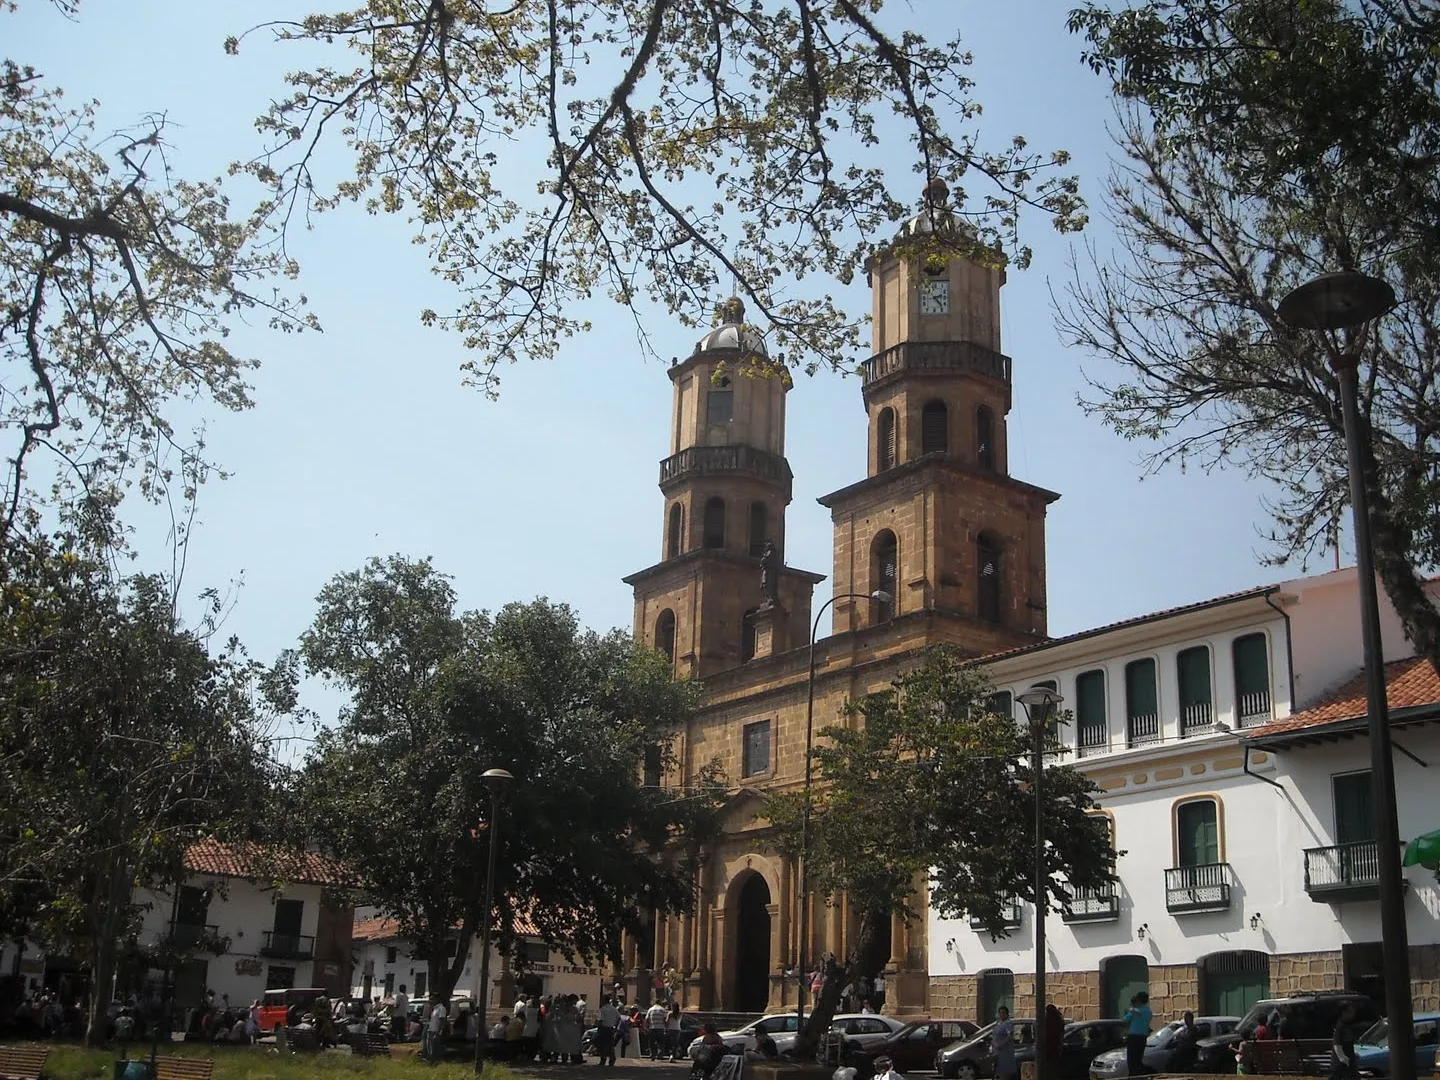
[(183, 1068), (1286, 1057), (371, 1044), (22, 1062)]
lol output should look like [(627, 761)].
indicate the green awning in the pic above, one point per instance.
[(1424, 851)]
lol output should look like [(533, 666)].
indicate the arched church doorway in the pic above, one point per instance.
[(752, 945)]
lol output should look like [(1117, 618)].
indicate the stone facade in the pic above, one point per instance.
[(940, 388)]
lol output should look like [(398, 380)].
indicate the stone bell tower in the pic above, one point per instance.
[(938, 524), (726, 485)]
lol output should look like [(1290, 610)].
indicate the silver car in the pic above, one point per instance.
[(856, 1028), (1159, 1047), (776, 1025)]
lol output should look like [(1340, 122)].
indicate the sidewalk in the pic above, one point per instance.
[(627, 1068)]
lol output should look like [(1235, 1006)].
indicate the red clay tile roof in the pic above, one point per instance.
[(1408, 683), (255, 862), (385, 929)]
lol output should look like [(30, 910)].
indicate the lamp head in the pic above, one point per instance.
[(1335, 301), (881, 596), (496, 779), (1039, 695)]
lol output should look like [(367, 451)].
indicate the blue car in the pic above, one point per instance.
[(1372, 1050)]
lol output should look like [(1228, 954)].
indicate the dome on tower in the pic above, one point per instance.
[(935, 216), (733, 334)]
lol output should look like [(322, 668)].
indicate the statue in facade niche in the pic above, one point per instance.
[(770, 572)]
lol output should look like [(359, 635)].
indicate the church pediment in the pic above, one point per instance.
[(744, 811)]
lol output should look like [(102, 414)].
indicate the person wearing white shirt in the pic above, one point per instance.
[(655, 1030), (885, 1070), (437, 1031), (606, 1024), (399, 1012)]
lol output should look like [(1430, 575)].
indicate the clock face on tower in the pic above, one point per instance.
[(935, 297)]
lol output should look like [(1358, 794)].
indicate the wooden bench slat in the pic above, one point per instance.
[(22, 1062), (178, 1068)]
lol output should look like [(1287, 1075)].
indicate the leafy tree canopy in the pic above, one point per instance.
[(437, 696), (1266, 143), (924, 781), (121, 281), (124, 738), (661, 150)]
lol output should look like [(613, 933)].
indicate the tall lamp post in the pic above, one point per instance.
[(1345, 301), (1040, 703), (883, 597), (495, 780)]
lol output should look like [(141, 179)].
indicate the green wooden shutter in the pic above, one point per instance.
[(1199, 833), (1193, 671), (1252, 678), (1123, 977), (1354, 817), (1090, 710), (1142, 710), (1001, 704)]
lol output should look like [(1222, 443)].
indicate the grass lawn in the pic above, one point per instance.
[(263, 1063)]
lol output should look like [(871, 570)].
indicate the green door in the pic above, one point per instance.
[(1232, 982), (1122, 977), (1354, 820), (1199, 833), (996, 988)]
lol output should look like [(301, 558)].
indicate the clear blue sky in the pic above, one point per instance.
[(363, 442)]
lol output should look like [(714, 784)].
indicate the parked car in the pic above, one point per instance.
[(1160, 1048), (858, 1031), (1372, 1050), (1084, 1041), (275, 1006), (976, 1057), (912, 1047), (1312, 1016), (775, 1025)]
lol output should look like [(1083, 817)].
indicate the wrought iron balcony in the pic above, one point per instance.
[(1197, 716), (935, 356), (1343, 872), (1254, 709), (1197, 888), (1100, 904), (189, 935), (705, 460), (1143, 728), (1093, 739), (1009, 916), (288, 946)]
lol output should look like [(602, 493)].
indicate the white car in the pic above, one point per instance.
[(776, 1025), (859, 1028), (1112, 1065)]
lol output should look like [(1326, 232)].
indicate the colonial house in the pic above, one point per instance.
[(384, 962), (1228, 737), (253, 920)]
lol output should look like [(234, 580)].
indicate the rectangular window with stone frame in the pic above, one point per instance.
[(755, 756)]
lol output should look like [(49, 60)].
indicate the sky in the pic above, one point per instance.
[(364, 442)]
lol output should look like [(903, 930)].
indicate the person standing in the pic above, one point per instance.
[(532, 1028), (608, 1022), (1343, 1045), (1002, 1037), (877, 996), (436, 1033), (1054, 1040), (672, 1031), (1186, 1050), (1137, 1029), (655, 1030), (399, 1013)]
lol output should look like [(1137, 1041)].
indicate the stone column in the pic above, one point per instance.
[(833, 918), (785, 957), (717, 959), (898, 935), (777, 951)]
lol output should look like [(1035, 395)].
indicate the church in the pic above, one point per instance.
[(937, 543)]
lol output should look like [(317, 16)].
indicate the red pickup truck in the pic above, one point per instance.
[(275, 1006)]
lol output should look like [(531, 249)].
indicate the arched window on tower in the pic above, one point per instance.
[(985, 437), (665, 634), (884, 574), (987, 586), (759, 526), (675, 542), (935, 428), (715, 523), (747, 637), (885, 440)]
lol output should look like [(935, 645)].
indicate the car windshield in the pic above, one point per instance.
[(1378, 1035), (1164, 1037), (1259, 1011)]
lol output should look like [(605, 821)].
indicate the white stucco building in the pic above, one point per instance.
[(269, 913), (384, 962), (1228, 737)]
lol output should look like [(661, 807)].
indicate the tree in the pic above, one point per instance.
[(675, 149), (1266, 143), (437, 696), (121, 281), (122, 741), (922, 781)]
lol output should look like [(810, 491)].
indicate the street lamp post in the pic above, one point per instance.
[(1040, 702), (882, 597), (1337, 302), (495, 780)]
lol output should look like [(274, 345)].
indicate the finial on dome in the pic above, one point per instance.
[(732, 311), (936, 193)]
